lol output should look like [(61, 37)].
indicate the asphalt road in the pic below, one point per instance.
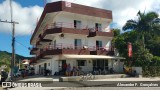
[(48, 82), (89, 88)]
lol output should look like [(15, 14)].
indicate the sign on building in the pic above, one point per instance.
[(68, 4), (129, 49)]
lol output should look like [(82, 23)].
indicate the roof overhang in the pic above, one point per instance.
[(90, 57)]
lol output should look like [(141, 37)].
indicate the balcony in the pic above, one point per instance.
[(33, 60), (33, 50), (41, 41), (62, 27), (40, 55), (102, 51), (48, 51), (59, 49), (95, 32)]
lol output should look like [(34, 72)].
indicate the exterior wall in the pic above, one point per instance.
[(116, 65), (75, 9), (36, 69), (67, 18), (89, 21), (86, 68), (138, 70), (55, 63), (55, 66), (105, 42), (42, 66), (91, 42)]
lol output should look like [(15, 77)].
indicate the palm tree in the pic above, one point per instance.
[(144, 24)]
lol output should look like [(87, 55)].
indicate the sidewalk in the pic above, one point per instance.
[(56, 78), (130, 79)]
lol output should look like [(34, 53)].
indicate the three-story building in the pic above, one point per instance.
[(74, 34)]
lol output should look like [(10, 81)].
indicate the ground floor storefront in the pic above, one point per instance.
[(88, 63)]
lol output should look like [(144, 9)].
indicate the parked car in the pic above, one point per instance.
[(19, 73), (31, 71)]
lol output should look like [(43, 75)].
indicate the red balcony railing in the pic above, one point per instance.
[(71, 46), (62, 48), (33, 50), (73, 26)]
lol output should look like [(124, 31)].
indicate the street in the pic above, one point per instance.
[(110, 82)]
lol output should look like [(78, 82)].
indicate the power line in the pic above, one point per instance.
[(10, 34), (21, 44)]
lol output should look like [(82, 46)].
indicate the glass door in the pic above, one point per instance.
[(77, 24), (98, 44), (98, 27), (77, 43), (100, 65)]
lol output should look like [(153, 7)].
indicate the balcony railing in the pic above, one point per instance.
[(71, 46), (73, 26), (33, 49), (62, 48)]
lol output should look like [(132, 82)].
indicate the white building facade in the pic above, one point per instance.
[(74, 34)]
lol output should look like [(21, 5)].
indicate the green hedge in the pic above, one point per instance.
[(151, 71)]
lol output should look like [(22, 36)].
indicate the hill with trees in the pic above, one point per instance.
[(5, 59)]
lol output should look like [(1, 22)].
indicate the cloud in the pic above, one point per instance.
[(122, 10), (25, 16)]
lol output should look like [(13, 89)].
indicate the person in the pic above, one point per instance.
[(64, 68), (3, 75), (74, 70), (23, 73), (111, 70), (134, 73), (77, 69), (45, 72), (68, 70)]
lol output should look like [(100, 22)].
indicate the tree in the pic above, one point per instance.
[(142, 57), (144, 49), (144, 24)]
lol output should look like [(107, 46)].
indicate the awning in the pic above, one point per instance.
[(90, 57)]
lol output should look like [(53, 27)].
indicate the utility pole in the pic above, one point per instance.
[(19, 64), (13, 39), (13, 45)]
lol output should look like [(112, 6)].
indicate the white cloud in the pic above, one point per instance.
[(122, 10), (26, 16)]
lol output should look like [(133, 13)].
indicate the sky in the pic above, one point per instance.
[(27, 12)]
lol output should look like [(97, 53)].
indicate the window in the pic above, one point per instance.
[(98, 27), (98, 44), (81, 62), (77, 24), (54, 44), (100, 64), (106, 65), (77, 43)]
